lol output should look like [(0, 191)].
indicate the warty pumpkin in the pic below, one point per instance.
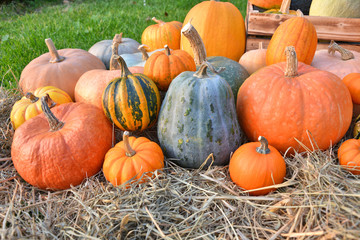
[(163, 66), (255, 165), (61, 69), (298, 32), (221, 27), (131, 101), (349, 155), (289, 102), (130, 159), (61, 147), (29, 106), (253, 60), (160, 34)]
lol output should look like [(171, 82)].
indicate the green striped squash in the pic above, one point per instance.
[(132, 101)]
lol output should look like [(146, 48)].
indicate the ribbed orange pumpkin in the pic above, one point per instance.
[(131, 158), (284, 102), (267, 4), (221, 27), (349, 155), (160, 34), (255, 165), (163, 66), (298, 32)]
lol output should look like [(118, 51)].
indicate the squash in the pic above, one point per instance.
[(91, 85), (29, 106), (131, 101), (61, 69), (163, 66), (298, 32), (61, 147), (255, 165), (266, 4), (292, 102), (337, 60), (284, 9), (338, 8), (130, 159), (349, 156), (160, 34), (103, 49), (254, 60), (352, 81), (234, 73), (197, 118), (221, 27)]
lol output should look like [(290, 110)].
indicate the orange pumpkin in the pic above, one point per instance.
[(284, 9), (253, 60), (352, 81), (163, 66), (289, 102), (61, 69), (91, 85), (131, 158), (255, 165), (60, 148), (298, 32), (160, 34), (266, 4), (221, 27), (349, 155)]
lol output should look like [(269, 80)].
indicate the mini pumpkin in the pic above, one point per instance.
[(352, 81), (349, 155), (131, 158)]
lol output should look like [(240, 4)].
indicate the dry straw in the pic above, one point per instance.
[(318, 200)]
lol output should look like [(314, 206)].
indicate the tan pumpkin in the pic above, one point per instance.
[(254, 60)]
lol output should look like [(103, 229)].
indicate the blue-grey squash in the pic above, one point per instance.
[(197, 118)]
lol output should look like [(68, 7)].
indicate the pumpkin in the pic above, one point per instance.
[(131, 158), (356, 131), (255, 165), (103, 49), (197, 118), (29, 106), (302, 5), (162, 33), (298, 32), (338, 8), (163, 66), (337, 60), (61, 147), (131, 101), (352, 81), (291, 102), (91, 85), (221, 27), (61, 69), (284, 9), (254, 60), (349, 155), (266, 4), (234, 73)]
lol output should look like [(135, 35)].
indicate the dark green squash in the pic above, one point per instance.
[(132, 101), (197, 118)]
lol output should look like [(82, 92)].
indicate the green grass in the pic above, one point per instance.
[(80, 24)]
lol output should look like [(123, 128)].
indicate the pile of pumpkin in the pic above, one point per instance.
[(217, 98)]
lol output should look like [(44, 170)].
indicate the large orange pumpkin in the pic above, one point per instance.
[(349, 155), (221, 27), (290, 102), (298, 32), (62, 146)]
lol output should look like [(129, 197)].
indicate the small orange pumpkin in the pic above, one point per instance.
[(352, 81), (266, 4), (253, 166), (349, 155), (131, 158)]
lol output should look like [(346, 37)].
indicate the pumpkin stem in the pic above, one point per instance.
[(55, 57), (142, 49), (202, 72), (285, 6), (196, 43), (123, 67), (167, 50), (299, 13), (291, 69), (54, 123), (345, 54), (158, 21), (114, 65), (261, 45), (264, 146), (129, 151), (32, 97)]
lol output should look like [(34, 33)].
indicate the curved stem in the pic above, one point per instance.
[(55, 57), (264, 146), (299, 13), (129, 151), (32, 97), (54, 123), (167, 50), (158, 21), (345, 54), (291, 69), (196, 43), (142, 49), (123, 67), (202, 72), (285, 6), (114, 65)]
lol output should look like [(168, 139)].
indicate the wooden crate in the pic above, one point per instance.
[(261, 26)]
